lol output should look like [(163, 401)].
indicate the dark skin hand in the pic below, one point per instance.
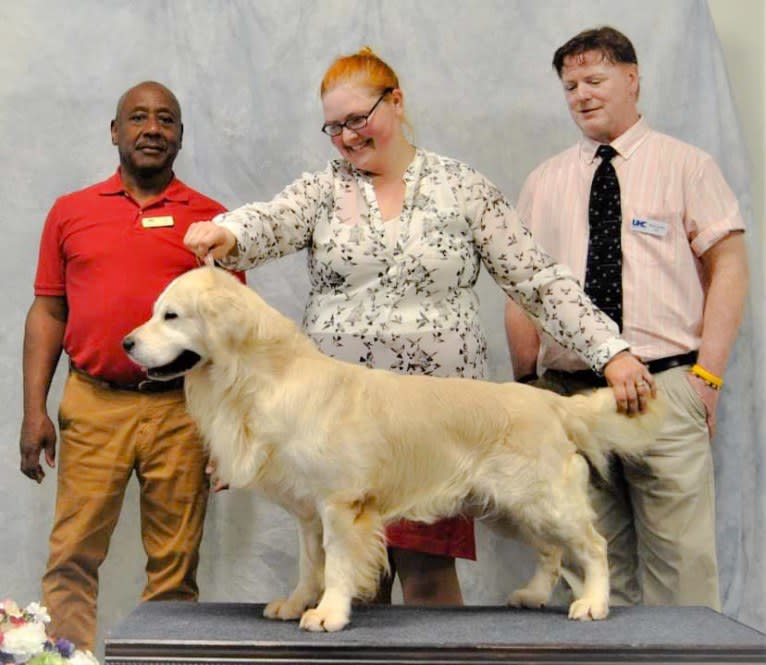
[(43, 338), (37, 435)]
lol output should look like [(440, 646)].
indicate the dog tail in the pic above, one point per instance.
[(597, 429)]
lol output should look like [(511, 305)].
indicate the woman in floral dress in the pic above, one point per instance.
[(396, 236)]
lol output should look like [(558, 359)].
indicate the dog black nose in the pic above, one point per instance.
[(128, 343)]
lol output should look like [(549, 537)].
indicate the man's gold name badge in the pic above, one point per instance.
[(156, 222)]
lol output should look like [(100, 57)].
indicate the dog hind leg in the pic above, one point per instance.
[(355, 554), (588, 550), (574, 537), (311, 575), (557, 520), (537, 591), (586, 547)]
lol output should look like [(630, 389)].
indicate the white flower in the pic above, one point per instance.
[(24, 641), (38, 612), (24, 638)]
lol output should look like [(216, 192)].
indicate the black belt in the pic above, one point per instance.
[(145, 386), (590, 378)]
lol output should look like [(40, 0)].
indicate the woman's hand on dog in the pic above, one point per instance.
[(631, 381), (207, 239)]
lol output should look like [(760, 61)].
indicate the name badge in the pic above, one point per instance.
[(156, 222), (653, 227)]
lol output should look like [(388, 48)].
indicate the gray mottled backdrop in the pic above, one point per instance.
[(479, 87)]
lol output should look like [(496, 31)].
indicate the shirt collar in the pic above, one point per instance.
[(409, 175), (625, 144), (175, 191), (413, 169)]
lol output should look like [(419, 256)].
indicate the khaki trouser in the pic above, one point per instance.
[(658, 512), (106, 435)]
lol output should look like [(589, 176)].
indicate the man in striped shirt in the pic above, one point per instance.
[(684, 280)]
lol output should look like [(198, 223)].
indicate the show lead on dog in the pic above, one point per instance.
[(683, 279), (106, 253), (396, 236)]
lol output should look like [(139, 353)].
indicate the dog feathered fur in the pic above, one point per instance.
[(348, 449)]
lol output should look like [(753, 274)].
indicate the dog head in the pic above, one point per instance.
[(198, 315)]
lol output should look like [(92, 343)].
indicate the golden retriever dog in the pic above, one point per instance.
[(347, 449)]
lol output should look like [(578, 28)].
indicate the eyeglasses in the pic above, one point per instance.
[(353, 122)]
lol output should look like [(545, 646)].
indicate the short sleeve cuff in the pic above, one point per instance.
[(715, 232)]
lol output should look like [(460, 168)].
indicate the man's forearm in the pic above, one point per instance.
[(43, 342), (727, 276)]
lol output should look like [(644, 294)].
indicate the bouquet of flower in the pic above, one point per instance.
[(23, 638)]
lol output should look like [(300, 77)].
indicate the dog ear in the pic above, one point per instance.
[(225, 316), (235, 315)]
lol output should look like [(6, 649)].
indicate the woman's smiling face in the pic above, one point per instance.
[(367, 147)]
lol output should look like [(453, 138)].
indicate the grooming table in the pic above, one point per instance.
[(197, 633)]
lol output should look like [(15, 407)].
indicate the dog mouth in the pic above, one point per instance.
[(182, 364)]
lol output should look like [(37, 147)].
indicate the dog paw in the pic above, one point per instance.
[(283, 609), (587, 609), (527, 598), (318, 620)]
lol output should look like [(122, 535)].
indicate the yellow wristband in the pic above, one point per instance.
[(715, 382)]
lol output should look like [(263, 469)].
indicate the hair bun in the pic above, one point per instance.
[(363, 67)]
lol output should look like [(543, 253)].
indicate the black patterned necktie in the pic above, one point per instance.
[(603, 272)]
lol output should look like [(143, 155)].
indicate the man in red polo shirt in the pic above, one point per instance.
[(106, 253)]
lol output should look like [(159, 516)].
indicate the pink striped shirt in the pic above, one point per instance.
[(675, 206)]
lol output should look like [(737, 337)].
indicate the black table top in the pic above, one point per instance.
[(226, 631)]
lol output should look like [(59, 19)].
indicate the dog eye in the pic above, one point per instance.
[(170, 315)]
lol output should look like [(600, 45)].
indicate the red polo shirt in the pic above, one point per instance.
[(111, 258)]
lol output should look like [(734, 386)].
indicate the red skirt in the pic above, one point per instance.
[(452, 537)]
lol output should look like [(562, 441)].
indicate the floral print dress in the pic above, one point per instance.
[(399, 294)]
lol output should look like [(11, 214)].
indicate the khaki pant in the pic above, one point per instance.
[(106, 436), (658, 512)]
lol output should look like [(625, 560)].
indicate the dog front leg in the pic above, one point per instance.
[(311, 575), (355, 554)]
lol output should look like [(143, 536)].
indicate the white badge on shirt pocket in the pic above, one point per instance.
[(653, 227), (157, 222)]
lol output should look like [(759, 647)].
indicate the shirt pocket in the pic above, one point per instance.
[(653, 238)]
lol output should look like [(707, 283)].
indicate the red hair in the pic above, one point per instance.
[(362, 67)]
